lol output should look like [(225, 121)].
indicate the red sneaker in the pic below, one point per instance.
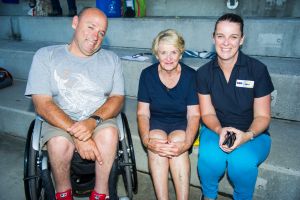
[(97, 196), (67, 195)]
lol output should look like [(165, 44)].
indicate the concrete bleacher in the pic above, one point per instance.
[(274, 41)]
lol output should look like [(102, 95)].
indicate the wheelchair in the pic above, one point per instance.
[(38, 182)]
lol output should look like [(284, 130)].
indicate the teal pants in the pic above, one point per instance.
[(241, 164)]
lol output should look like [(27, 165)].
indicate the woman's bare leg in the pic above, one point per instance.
[(159, 168), (180, 168)]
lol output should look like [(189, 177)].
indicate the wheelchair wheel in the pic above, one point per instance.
[(128, 164), (37, 183), (113, 179)]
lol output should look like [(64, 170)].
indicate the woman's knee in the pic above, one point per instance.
[(242, 167), (211, 159), (158, 134), (177, 136), (243, 160)]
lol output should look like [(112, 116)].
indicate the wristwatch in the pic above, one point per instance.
[(98, 119)]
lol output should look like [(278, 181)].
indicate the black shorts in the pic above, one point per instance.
[(168, 127)]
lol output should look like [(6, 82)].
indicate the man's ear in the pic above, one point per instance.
[(75, 22)]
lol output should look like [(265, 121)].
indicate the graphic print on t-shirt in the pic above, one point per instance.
[(78, 96)]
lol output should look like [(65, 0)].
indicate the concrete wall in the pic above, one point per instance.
[(285, 73), (276, 41), (264, 37), (253, 8)]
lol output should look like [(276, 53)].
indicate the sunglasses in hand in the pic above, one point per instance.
[(229, 139)]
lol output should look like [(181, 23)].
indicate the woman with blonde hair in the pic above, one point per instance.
[(168, 114)]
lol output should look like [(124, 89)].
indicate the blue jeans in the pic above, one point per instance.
[(242, 164)]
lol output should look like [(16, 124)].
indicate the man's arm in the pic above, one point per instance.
[(48, 110), (83, 130), (111, 108)]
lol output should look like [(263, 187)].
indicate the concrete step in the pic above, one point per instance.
[(11, 164), (280, 173), (16, 56), (265, 36), (189, 8)]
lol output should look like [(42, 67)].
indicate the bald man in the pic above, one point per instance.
[(78, 88)]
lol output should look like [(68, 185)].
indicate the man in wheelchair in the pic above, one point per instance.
[(78, 89)]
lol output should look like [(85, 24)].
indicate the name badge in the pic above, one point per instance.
[(244, 83)]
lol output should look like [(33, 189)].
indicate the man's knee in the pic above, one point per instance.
[(61, 143), (60, 146), (108, 135)]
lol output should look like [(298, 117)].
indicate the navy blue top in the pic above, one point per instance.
[(233, 101), (168, 105)]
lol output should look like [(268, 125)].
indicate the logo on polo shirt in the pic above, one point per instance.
[(244, 83)]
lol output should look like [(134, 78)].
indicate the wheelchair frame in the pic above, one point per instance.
[(37, 173)]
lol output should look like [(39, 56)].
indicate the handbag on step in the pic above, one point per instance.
[(6, 78)]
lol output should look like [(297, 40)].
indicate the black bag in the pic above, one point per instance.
[(6, 78), (82, 175)]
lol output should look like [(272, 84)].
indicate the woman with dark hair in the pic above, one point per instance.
[(235, 95)]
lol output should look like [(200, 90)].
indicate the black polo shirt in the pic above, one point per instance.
[(168, 105), (233, 101)]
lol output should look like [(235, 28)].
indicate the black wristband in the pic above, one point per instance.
[(98, 119)]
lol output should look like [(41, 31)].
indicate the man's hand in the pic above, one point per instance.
[(88, 150), (82, 130)]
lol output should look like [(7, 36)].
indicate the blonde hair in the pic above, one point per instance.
[(170, 36)]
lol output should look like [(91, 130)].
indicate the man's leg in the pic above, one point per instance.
[(180, 168), (72, 7), (57, 10), (60, 152), (60, 147), (159, 168), (106, 139), (32, 3)]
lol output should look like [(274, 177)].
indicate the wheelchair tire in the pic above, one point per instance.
[(128, 170), (113, 179), (37, 184)]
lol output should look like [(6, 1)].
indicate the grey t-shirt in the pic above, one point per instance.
[(79, 86)]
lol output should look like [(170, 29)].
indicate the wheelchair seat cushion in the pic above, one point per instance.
[(81, 166), (82, 175)]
